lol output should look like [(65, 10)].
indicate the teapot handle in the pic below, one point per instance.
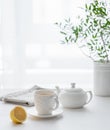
[(90, 96)]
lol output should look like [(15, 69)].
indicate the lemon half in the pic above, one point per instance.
[(18, 114)]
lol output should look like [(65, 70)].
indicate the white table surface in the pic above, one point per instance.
[(94, 116)]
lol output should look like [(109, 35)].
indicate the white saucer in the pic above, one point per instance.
[(57, 112)]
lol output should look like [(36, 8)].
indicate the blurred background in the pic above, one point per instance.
[(30, 45)]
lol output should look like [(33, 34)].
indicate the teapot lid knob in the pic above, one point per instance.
[(73, 85)]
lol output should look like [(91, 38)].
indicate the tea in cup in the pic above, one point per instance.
[(45, 101)]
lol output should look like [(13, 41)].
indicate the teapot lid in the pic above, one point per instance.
[(76, 90), (73, 89)]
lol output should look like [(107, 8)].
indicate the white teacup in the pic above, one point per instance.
[(45, 101)]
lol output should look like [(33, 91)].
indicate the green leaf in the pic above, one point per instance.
[(102, 48), (66, 39), (86, 6), (63, 33), (89, 44)]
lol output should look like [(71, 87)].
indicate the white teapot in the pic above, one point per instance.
[(74, 97)]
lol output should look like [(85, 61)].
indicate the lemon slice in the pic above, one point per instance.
[(18, 114)]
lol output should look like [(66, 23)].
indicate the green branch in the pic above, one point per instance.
[(104, 44)]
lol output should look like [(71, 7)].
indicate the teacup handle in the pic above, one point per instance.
[(90, 96), (56, 103)]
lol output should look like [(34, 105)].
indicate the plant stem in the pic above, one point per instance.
[(104, 46), (101, 35), (85, 53)]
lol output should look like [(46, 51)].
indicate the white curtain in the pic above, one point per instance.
[(14, 26), (31, 52)]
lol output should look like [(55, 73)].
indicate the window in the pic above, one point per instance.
[(30, 44), (50, 11)]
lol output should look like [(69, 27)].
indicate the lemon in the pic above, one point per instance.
[(18, 114)]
